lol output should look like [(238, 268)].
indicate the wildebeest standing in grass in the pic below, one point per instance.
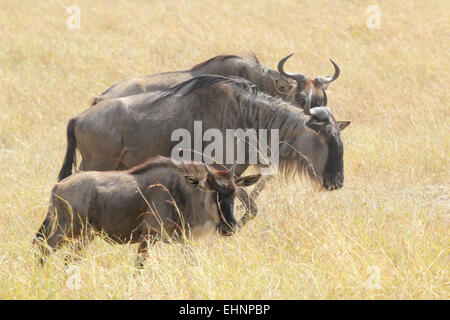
[(121, 133), (292, 88), (157, 200)]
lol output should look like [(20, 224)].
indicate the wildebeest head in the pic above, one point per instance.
[(322, 147), (224, 185), (305, 84)]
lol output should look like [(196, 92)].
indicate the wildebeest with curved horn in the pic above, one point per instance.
[(156, 200), (121, 133), (304, 84), (292, 88)]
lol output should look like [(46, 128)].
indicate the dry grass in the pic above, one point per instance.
[(392, 215)]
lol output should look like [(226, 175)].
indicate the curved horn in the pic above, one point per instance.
[(325, 98), (299, 77), (307, 106), (325, 80), (232, 169)]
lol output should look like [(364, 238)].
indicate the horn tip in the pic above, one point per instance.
[(335, 64)]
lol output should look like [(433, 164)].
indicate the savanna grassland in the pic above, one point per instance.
[(385, 235)]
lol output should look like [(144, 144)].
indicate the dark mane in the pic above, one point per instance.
[(223, 58), (199, 82), (154, 162), (183, 168), (254, 57), (214, 59)]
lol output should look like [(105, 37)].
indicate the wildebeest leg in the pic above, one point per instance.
[(100, 162), (249, 201), (142, 254), (189, 253), (43, 250), (122, 162), (144, 242), (78, 246), (46, 245), (251, 209)]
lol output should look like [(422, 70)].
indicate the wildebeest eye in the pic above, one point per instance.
[(192, 181), (282, 86)]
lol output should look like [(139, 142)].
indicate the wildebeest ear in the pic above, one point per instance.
[(343, 124), (192, 181), (247, 181), (313, 124), (282, 86)]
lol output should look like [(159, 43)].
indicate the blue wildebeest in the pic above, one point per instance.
[(121, 133), (156, 200), (292, 88)]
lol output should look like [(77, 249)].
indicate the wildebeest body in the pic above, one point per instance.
[(110, 202), (267, 80), (291, 88), (120, 133), (159, 199), (137, 129)]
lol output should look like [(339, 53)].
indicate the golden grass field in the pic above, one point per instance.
[(385, 235)]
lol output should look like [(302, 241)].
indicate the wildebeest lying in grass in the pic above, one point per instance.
[(154, 201), (120, 133), (292, 88)]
